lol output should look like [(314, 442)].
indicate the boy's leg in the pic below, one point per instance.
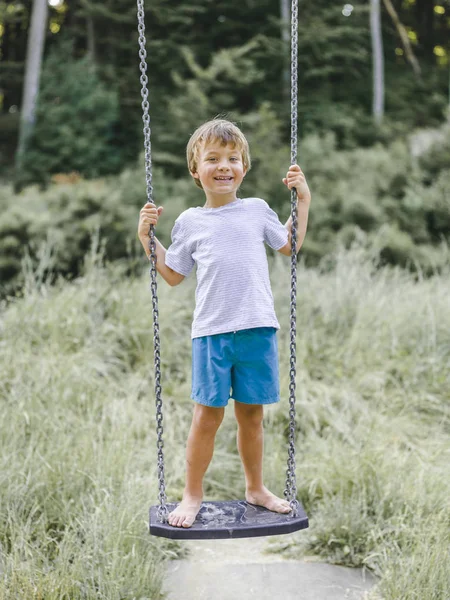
[(199, 451), (250, 440)]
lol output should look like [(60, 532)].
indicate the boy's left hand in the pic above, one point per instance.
[(295, 178)]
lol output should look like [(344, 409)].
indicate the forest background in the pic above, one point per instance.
[(77, 460), (232, 58)]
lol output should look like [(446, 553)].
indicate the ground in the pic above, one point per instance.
[(242, 569)]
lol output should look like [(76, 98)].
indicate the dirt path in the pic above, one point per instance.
[(240, 570)]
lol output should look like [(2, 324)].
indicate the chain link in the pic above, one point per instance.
[(163, 511), (290, 492)]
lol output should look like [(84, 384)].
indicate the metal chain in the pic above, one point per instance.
[(291, 488), (163, 511), (290, 492)]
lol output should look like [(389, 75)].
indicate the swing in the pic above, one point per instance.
[(238, 518)]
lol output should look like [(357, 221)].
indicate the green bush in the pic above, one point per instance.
[(76, 117), (437, 158), (375, 195), (64, 218)]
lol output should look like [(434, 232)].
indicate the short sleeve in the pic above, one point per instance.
[(178, 255), (275, 233)]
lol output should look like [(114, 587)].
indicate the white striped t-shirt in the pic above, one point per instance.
[(227, 246)]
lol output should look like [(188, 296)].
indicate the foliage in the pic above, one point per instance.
[(437, 157), (372, 425), (67, 215), (76, 466), (379, 195), (75, 120), (211, 57), (374, 351)]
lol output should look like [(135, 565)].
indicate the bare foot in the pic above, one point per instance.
[(265, 498), (185, 513)]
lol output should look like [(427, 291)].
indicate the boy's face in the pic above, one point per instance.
[(219, 168)]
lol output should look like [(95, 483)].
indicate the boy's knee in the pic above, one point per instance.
[(208, 418), (249, 415)]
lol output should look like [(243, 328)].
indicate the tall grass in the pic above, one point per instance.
[(77, 470), (373, 416)]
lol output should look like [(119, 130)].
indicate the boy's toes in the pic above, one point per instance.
[(188, 521), (285, 507), (185, 513), (279, 505), (265, 498)]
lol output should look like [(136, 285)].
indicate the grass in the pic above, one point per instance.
[(77, 468)]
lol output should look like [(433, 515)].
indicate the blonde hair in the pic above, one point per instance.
[(219, 130)]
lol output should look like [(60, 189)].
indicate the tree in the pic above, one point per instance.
[(76, 120), (403, 36), (35, 50), (334, 64), (426, 27), (285, 36), (377, 61)]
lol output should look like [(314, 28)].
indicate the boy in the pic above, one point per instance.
[(234, 345)]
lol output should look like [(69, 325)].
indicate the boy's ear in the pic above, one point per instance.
[(194, 174)]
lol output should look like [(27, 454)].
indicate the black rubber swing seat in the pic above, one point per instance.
[(230, 519)]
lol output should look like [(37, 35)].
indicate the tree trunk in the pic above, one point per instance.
[(5, 50), (377, 61), (285, 36), (35, 48), (404, 37)]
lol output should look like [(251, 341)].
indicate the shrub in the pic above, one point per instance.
[(65, 216), (76, 117)]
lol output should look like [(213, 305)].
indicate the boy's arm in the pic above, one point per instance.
[(302, 224), (149, 215), (295, 178), (168, 274)]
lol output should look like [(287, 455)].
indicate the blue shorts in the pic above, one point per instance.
[(242, 365)]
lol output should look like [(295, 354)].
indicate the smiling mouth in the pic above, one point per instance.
[(223, 178)]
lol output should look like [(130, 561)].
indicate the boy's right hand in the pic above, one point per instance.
[(149, 215)]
